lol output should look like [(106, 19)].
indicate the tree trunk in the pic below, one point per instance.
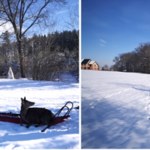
[(21, 59)]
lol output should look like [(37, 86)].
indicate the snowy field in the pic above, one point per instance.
[(115, 110), (51, 95)]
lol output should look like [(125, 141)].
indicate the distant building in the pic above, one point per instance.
[(85, 64), (88, 64)]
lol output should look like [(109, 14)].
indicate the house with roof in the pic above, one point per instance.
[(88, 64)]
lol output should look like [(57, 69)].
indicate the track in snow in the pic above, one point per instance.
[(115, 110)]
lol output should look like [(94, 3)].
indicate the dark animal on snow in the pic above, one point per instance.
[(34, 116)]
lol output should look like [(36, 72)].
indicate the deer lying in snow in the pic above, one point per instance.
[(34, 116)]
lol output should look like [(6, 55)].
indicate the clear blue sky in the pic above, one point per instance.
[(113, 27)]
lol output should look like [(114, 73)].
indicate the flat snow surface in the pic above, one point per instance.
[(51, 95), (115, 110)]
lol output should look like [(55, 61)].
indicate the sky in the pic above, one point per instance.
[(113, 27), (65, 17)]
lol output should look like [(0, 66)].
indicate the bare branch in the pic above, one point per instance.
[(28, 6), (37, 16), (3, 23), (10, 11), (4, 10), (17, 7)]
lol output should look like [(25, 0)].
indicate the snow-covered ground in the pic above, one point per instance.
[(51, 95), (115, 110)]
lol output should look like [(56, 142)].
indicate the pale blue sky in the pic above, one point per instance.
[(112, 27), (66, 16)]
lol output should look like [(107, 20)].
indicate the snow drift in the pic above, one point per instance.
[(115, 110)]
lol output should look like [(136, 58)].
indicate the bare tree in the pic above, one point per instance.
[(23, 15)]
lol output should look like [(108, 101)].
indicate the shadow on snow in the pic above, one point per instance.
[(107, 125)]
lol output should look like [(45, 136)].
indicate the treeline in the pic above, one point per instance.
[(135, 61), (46, 57)]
